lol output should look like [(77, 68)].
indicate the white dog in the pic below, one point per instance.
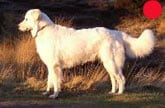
[(62, 47)]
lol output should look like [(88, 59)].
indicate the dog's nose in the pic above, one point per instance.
[(18, 25)]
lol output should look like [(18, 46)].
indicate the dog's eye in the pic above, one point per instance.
[(26, 19)]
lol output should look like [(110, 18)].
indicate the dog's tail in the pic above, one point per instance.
[(139, 47)]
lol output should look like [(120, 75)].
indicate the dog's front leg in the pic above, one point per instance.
[(53, 72), (49, 85)]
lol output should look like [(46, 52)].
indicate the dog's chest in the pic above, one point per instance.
[(45, 49)]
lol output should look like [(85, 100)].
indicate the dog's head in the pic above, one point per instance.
[(34, 20)]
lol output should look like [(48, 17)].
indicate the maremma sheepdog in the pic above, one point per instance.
[(62, 47)]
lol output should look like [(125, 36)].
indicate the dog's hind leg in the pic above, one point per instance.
[(121, 80), (119, 58), (116, 75), (108, 59), (113, 83)]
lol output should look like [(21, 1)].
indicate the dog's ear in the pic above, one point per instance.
[(34, 31), (36, 14)]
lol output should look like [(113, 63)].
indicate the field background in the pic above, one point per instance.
[(23, 75)]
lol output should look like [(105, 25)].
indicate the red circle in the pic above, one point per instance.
[(152, 9)]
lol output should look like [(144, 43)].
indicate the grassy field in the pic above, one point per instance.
[(31, 99), (23, 75)]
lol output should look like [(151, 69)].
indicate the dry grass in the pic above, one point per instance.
[(161, 24), (6, 51), (145, 76), (25, 50), (85, 77)]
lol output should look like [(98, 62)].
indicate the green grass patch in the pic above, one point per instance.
[(96, 99)]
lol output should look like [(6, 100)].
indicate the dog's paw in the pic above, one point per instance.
[(119, 93), (112, 93), (53, 96), (45, 93)]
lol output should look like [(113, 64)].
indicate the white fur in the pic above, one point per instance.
[(62, 47)]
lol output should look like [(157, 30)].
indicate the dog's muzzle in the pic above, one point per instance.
[(22, 28)]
